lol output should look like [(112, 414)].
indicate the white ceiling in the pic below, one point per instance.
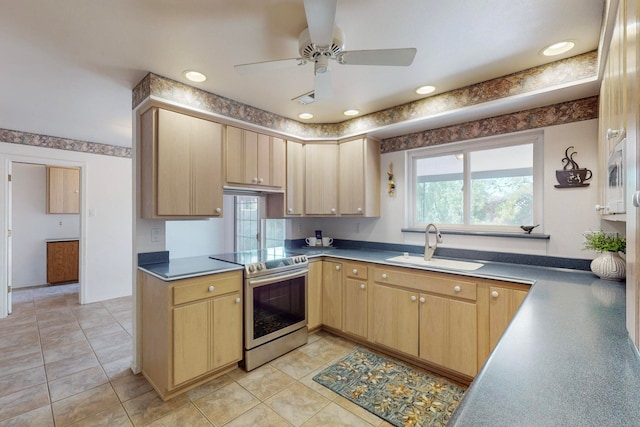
[(68, 66)]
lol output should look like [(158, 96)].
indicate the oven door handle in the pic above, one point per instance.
[(277, 278)]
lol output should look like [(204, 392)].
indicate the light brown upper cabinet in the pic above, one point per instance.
[(359, 179), (63, 190), (181, 165), (295, 179), (321, 179), (254, 159)]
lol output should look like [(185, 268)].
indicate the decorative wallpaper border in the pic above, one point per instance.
[(27, 138), (557, 114), (547, 76)]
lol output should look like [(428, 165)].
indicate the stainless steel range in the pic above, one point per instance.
[(275, 302)]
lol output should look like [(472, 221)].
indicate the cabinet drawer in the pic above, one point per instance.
[(355, 270), (426, 282), (206, 287)]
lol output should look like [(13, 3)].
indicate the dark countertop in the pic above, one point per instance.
[(566, 358), (182, 268)]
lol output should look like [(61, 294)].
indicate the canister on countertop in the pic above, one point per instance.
[(319, 237)]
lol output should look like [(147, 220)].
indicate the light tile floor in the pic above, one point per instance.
[(63, 364)]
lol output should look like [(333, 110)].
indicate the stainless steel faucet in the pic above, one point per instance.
[(428, 249)]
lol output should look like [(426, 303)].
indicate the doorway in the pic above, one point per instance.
[(30, 226)]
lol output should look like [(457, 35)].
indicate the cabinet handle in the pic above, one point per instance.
[(260, 180), (238, 300), (414, 298), (218, 210), (457, 288), (212, 288), (495, 294), (254, 180), (337, 267), (355, 271), (359, 210), (333, 210), (422, 299), (290, 210), (362, 286), (384, 275)]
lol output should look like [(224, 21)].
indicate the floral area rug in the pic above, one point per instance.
[(399, 394)]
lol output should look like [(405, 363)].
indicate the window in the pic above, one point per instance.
[(479, 185), (251, 230)]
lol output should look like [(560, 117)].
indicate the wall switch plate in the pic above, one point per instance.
[(155, 234)]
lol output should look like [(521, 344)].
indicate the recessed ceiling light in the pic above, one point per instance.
[(424, 90), (558, 48), (351, 112), (195, 76), (305, 116)]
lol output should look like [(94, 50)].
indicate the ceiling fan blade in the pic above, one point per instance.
[(258, 67), (322, 85), (398, 57), (321, 16)]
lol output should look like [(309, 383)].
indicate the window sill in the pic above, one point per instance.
[(522, 235)]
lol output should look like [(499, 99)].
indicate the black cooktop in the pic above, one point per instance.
[(258, 255)]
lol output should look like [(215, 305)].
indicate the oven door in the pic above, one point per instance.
[(275, 305)]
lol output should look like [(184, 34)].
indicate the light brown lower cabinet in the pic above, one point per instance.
[(191, 330), (435, 319), (450, 323), (62, 261), (314, 309)]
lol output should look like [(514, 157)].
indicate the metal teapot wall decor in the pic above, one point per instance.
[(572, 175)]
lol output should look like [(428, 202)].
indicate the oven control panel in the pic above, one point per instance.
[(275, 265)]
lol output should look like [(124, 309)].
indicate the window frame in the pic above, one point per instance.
[(466, 147)]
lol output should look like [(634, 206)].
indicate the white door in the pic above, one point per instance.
[(9, 238)]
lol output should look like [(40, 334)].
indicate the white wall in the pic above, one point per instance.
[(105, 248), (32, 225), (567, 212)]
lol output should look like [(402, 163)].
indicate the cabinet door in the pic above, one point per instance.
[(278, 162), (448, 333), (191, 340), (355, 307), (395, 323), (63, 190), (241, 156), (189, 181), (352, 176), (62, 261), (227, 330), (321, 181), (314, 299), (332, 294), (295, 179), (503, 305)]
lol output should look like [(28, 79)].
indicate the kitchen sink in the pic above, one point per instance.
[(439, 262)]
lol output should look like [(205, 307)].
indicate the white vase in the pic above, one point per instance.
[(609, 266)]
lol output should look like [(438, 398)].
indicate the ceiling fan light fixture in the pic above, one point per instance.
[(558, 48), (322, 64), (351, 112), (305, 116), (194, 76), (425, 90)]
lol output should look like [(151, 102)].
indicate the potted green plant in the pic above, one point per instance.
[(608, 265)]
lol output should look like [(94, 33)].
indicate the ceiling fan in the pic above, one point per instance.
[(322, 42)]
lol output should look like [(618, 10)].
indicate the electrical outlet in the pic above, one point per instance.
[(357, 227), (60, 223), (155, 234)]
